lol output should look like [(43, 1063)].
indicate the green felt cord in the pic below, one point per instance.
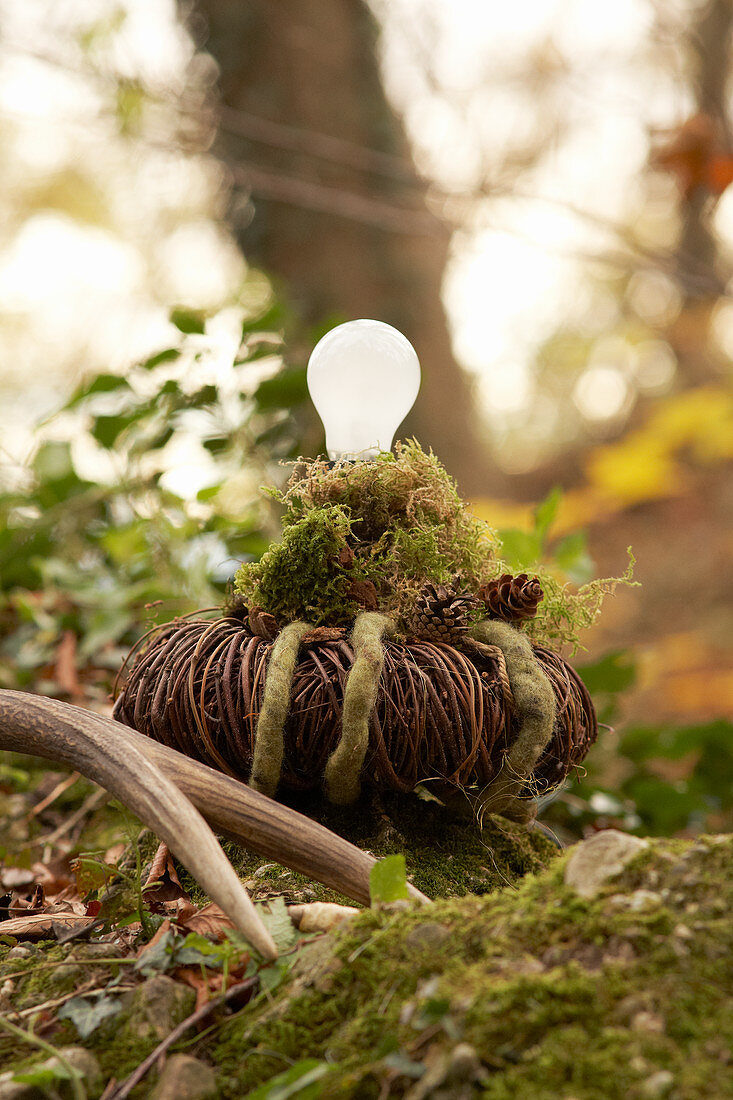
[(536, 708), (268, 747), (343, 769)]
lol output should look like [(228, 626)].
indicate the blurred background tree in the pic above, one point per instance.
[(538, 196)]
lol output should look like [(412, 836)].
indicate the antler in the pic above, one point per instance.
[(163, 788)]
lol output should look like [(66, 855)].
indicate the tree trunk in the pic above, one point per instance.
[(345, 230)]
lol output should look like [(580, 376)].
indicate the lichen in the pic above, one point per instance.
[(394, 523)]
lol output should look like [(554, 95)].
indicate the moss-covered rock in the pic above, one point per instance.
[(623, 995)]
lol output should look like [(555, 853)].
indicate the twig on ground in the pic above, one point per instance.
[(59, 789), (137, 1075), (90, 803)]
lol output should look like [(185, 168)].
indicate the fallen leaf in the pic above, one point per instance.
[(163, 883), (65, 670), (209, 921), (41, 926)]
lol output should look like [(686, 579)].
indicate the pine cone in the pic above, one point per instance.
[(442, 612), (263, 624), (512, 599)]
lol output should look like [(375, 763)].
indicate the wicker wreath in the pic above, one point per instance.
[(347, 709)]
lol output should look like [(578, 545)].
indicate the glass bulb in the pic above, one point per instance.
[(363, 377)]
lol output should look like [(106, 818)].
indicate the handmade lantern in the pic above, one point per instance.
[(383, 643)]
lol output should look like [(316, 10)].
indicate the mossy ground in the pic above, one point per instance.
[(445, 855), (613, 997), (557, 996)]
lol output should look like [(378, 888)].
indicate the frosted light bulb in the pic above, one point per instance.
[(363, 377)]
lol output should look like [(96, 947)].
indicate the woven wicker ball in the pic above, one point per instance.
[(443, 715)]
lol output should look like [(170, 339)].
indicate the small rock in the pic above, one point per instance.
[(185, 1078), (158, 1005), (648, 1021), (427, 937), (15, 1090), (682, 932), (18, 953), (659, 1084), (644, 899), (78, 1058), (99, 950), (600, 858)]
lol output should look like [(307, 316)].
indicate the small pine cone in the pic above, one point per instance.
[(442, 612), (512, 599), (263, 624)]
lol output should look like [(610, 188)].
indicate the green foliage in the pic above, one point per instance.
[(649, 779), (88, 1013), (95, 537), (388, 880), (302, 1080)]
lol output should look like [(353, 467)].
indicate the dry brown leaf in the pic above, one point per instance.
[(41, 926), (114, 854), (209, 921), (160, 932), (163, 883)]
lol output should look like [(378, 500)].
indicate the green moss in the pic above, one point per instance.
[(397, 522), (558, 996), (445, 855)]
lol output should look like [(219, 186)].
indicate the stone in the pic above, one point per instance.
[(600, 858), (158, 1006), (78, 1058), (427, 937), (659, 1084), (648, 1021), (19, 953), (16, 1090), (185, 1078)]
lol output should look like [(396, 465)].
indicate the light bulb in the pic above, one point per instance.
[(363, 377)]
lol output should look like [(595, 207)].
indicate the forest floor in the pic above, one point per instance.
[(601, 972)]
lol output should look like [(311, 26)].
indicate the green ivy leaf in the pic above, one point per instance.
[(388, 880), (86, 1013), (545, 513), (284, 390), (520, 549), (188, 320), (571, 554)]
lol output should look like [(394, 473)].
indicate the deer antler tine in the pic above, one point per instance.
[(107, 752), (269, 828), (60, 731)]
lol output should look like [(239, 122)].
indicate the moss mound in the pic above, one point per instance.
[(371, 534), (445, 855), (534, 992)]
